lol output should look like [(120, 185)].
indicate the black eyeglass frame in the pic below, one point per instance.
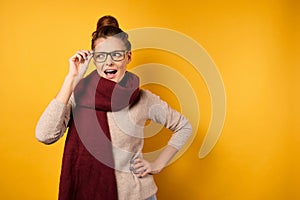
[(110, 54)]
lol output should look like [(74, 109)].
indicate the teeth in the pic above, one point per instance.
[(110, 71)]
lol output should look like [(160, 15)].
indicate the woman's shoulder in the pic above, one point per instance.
[(147, 95), (149, 98)]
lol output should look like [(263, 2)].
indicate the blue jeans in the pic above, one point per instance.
[(153, 197)]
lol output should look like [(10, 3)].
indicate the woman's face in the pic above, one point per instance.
[(110, 68)]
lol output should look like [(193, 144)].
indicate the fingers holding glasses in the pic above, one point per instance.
[(81, 56), (79, 62)]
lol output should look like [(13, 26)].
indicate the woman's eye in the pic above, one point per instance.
[(100, 55), (117, 54)]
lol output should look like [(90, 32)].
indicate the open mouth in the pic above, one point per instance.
[(110, 71)]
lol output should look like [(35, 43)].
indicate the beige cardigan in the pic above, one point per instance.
[(126, 129)]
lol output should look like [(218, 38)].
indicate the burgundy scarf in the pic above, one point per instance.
[(88, 167)]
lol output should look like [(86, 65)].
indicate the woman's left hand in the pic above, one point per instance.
[(142, 167)]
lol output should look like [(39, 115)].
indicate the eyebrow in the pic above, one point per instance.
[(109, 51)]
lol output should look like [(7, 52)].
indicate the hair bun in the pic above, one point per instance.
[(107, 21), (108, 26)]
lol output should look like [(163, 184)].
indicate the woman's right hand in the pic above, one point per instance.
[(78, 63)]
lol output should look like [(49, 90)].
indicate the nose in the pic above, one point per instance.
[(109, 61)]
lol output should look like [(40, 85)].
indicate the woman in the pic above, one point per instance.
[(105, 113)]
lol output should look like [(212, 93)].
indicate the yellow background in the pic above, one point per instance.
[(255, 45)]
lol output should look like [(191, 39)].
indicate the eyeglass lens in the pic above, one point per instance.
[(115, 55)]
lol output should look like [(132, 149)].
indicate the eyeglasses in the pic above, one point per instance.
[(115, 55)]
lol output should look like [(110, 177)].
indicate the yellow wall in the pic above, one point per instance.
[(255, 45)]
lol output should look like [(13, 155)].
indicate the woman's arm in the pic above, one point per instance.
[(143, 167), (160, 112), (54, 120), (78, 66)]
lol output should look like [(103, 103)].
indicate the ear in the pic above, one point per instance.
[(129, 56)]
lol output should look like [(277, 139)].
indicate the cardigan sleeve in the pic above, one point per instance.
[(54, 121), (161, 112)]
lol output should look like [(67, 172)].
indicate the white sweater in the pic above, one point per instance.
[(127, 133)]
